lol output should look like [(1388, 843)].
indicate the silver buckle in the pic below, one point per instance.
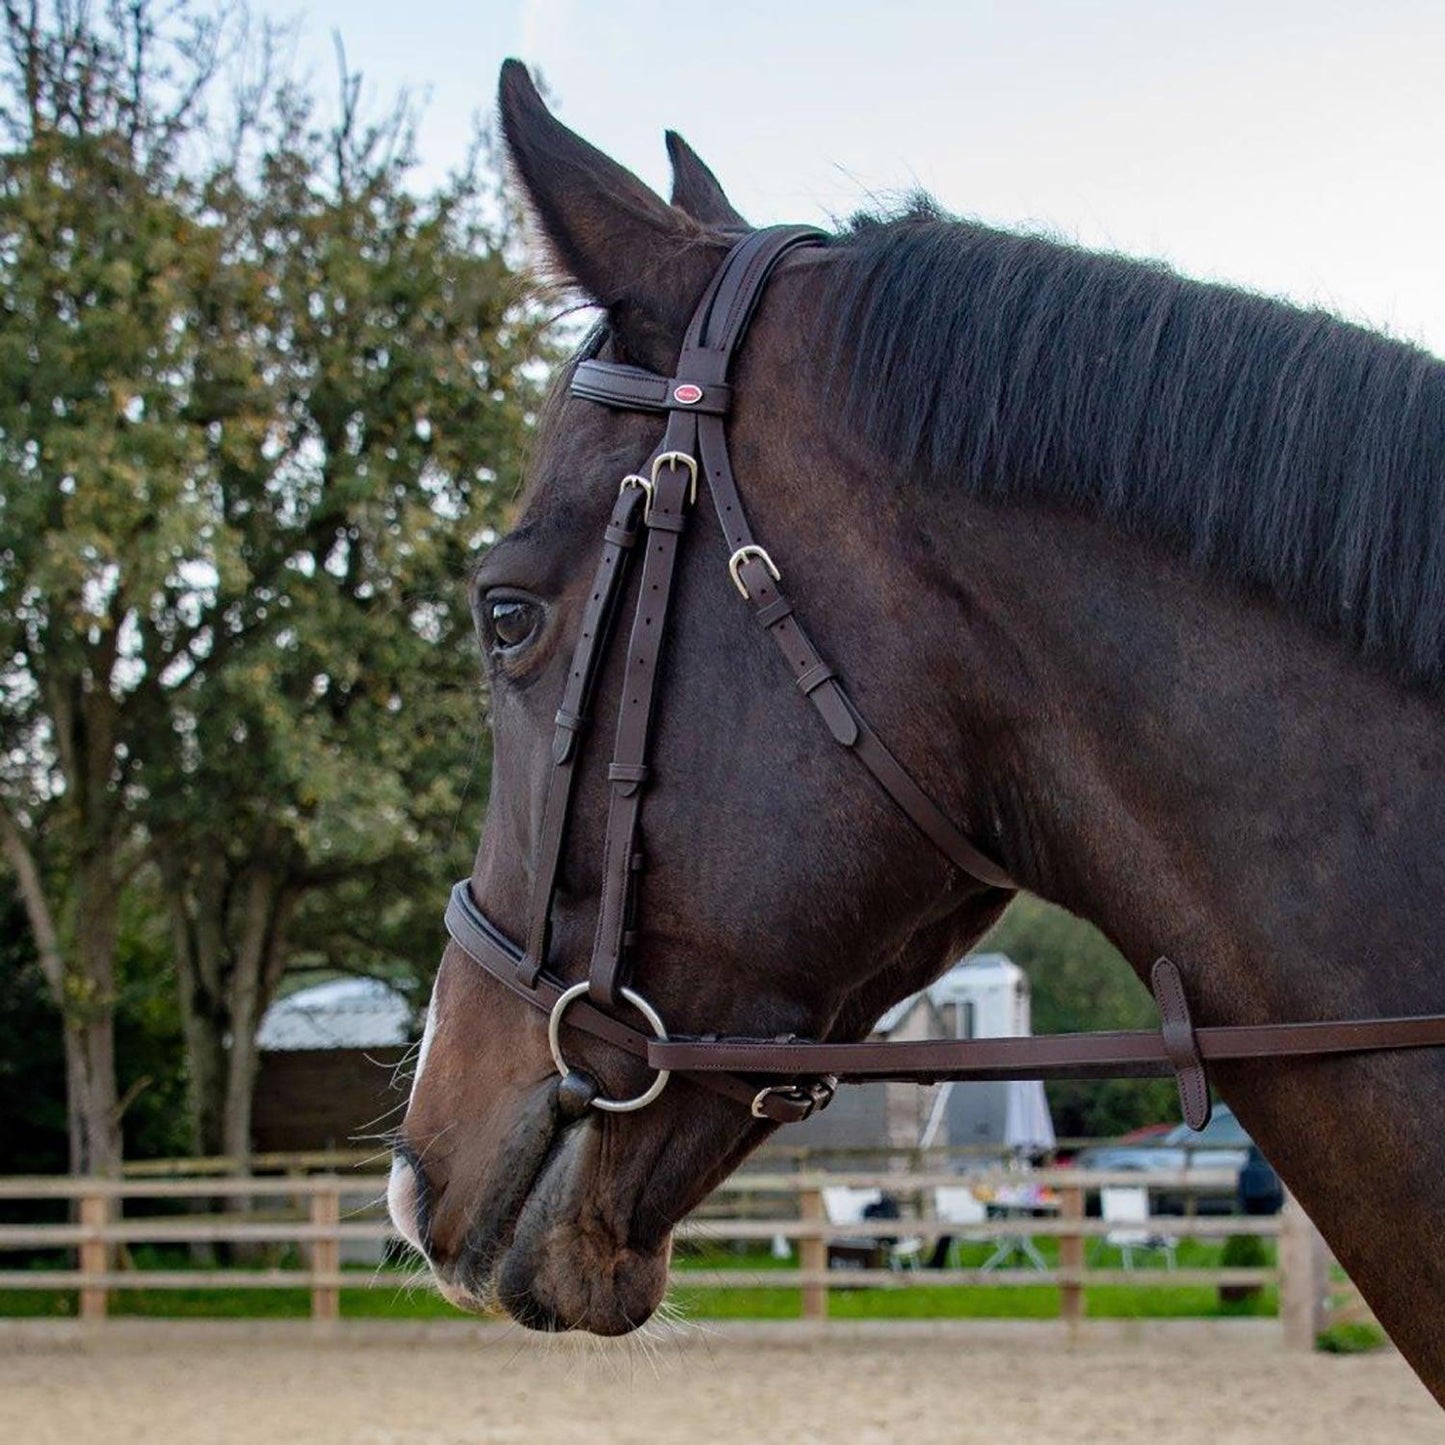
[(816, 1095), (654, 1021), (675, 460), (643, 486), (736, 561)]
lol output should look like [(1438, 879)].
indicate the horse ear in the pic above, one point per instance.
[(696, 190), (642, 259)]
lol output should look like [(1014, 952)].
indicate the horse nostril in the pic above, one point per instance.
[(575, 1093)]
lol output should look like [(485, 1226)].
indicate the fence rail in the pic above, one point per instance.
[(319, 1213)]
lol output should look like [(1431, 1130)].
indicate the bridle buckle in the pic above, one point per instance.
[(678, 459), (815, 1094), (742, 554), (643, 485)]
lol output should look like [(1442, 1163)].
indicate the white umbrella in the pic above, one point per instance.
[(1028, 1126)]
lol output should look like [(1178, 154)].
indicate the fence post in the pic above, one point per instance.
[(813, 1253), (1303, 1274), (1071, 1257), (326, 1252), (94, 1254)]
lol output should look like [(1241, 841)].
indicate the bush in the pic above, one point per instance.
[(1242, 1251), (1353, 1338)]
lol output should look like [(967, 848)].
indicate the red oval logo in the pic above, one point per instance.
[(687, 393)]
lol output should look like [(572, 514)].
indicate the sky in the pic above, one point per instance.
[(1295, 148)]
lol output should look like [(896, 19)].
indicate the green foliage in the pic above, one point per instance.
[(1355, 1337), (32, 1068), (261, 399), (1081, 982), (32, 1063), (365, 381), (150, 1053), (1245, 1251)]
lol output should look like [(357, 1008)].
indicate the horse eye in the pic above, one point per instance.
[(509, 622)]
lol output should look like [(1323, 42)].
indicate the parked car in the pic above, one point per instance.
[(1221, 1145)]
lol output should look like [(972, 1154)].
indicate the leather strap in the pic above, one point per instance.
[(1181, 1046), (804, 1072), (572, 719), (632, 389), (1114, 1055), (486, 945), (627, 775)]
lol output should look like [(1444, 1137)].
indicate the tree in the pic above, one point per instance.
[(1080, 982), (257, 409), (96, 256), (365, 379)]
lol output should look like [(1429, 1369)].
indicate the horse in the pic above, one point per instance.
[(1143, 581)]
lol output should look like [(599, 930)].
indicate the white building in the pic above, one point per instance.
[(343, 1013), (984, 996)]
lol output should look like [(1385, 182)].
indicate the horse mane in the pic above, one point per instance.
[(1278, 446)]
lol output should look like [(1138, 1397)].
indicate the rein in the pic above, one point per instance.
[(780, 1080)]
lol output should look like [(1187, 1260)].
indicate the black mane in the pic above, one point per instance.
[(1282, 447)]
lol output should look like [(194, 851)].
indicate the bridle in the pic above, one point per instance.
[(780, 1080)]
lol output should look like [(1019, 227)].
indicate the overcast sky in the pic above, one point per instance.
[(1294, 147)]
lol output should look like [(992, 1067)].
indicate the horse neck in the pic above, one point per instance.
[(1206, 778), (1186, 759)]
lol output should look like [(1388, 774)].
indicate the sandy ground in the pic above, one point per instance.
[(700, 1389)]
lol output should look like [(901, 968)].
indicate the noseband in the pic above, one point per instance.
[(780, 1080)]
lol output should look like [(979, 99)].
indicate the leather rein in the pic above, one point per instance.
[(780, 1080)]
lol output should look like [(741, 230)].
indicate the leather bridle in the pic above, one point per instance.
[(781, 1080)]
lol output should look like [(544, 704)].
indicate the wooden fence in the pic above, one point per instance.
[(319, 1213)]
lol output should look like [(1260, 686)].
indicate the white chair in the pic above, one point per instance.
[(1128, 1205), (907, 1253), (845, 1205), (957, 1204)]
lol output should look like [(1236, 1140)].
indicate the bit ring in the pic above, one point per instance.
[(654, 1020)]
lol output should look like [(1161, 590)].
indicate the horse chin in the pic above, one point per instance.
[(548, 1246), (571, 1264)]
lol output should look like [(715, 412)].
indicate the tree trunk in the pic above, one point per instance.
[(244, 1065), (205, 1042), (194, 885), (89, 1008), (259, 963), (229, 933), (83, 987), (94, 1106)]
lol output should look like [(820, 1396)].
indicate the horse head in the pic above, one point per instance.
[(778, 891)]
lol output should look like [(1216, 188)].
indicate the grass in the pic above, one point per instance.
[(401, 1298), (925, 1301), (913, 1301), (401, 1302), (1354, 1337)]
